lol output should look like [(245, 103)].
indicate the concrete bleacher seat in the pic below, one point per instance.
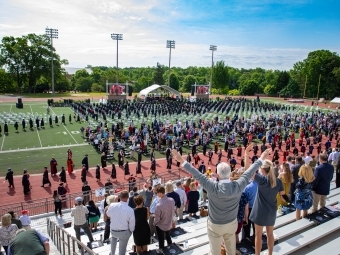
[(329, 248), (307, 237)]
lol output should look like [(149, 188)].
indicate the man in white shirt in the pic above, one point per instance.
[(307, 159), (334, 157), (183, 197), (122, 223)]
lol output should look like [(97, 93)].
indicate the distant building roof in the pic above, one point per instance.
[(73, 70)]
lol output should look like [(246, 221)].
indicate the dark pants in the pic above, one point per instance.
[(247, 227), (86, 229), (161, 234), (291, 192), (5, 248), (107, 229), (57, 207)]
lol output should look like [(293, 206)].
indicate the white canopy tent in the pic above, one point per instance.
[(145, 92), (336, 100)]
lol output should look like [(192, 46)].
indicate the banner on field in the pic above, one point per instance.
[(100, 192)]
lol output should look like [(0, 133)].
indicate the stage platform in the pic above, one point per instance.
[(117, 97), (296, 100)]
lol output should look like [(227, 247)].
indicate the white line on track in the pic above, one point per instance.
[(66, 128), (37, 128), (3, 139)]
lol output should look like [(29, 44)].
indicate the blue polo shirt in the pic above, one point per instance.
[(251, 191)]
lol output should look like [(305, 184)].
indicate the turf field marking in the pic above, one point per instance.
[(3, 139), (37, 129), (66, 129)]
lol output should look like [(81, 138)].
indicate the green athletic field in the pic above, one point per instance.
[(33, 149)]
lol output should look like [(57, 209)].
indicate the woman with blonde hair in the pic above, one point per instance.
[(169, 190), (7, 231), (265, 204), (187, 189), (287, 178), (303, 193)]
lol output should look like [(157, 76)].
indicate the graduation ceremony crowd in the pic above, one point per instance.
[(243, 183)]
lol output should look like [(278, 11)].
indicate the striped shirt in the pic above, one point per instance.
[(122, 216)]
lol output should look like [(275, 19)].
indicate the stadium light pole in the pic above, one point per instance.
[(117, 37), (171, 45), (212, 48), (52, 34)]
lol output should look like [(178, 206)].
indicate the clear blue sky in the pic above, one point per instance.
[(268, 33)]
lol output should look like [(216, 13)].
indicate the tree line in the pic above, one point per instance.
[(26, 67)]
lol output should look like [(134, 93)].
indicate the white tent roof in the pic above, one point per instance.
[(146, 91), (336, 100)]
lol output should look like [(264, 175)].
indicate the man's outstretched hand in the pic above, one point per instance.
[(177, 156), (266, 154)]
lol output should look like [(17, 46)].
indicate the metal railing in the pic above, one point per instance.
[(46, 205), (65, 242)]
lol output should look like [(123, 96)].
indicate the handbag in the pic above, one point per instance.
[(203, 212)]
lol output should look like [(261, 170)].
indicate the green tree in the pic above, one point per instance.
[(248, 88), (6, 82), (96, 87), (319, 62), (292, 89), (158, 74), (187, 82), (62, 84), (174, 82), (220, 77), (84, 84), (82, 73), (282, 80), (270, 90), (29, 57)]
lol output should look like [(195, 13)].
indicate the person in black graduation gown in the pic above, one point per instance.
[(6, 128), (121, 158), (50, 121), (42, 123), (193, 150), (63, 119), (23, 124), (45, 179), (139, 158), (62, 175), (70, 118), (169, 163), (103, 159), (204, 147), (226, 145), (56, 120), (37, 122), (31, 123), (98, 173), (26, 182), (9, 178), (16, 126), (113, 172), (139, 169), (126, 169), (152, 155), (153, 165), (83, 173), (85, 162), (0, 130)]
